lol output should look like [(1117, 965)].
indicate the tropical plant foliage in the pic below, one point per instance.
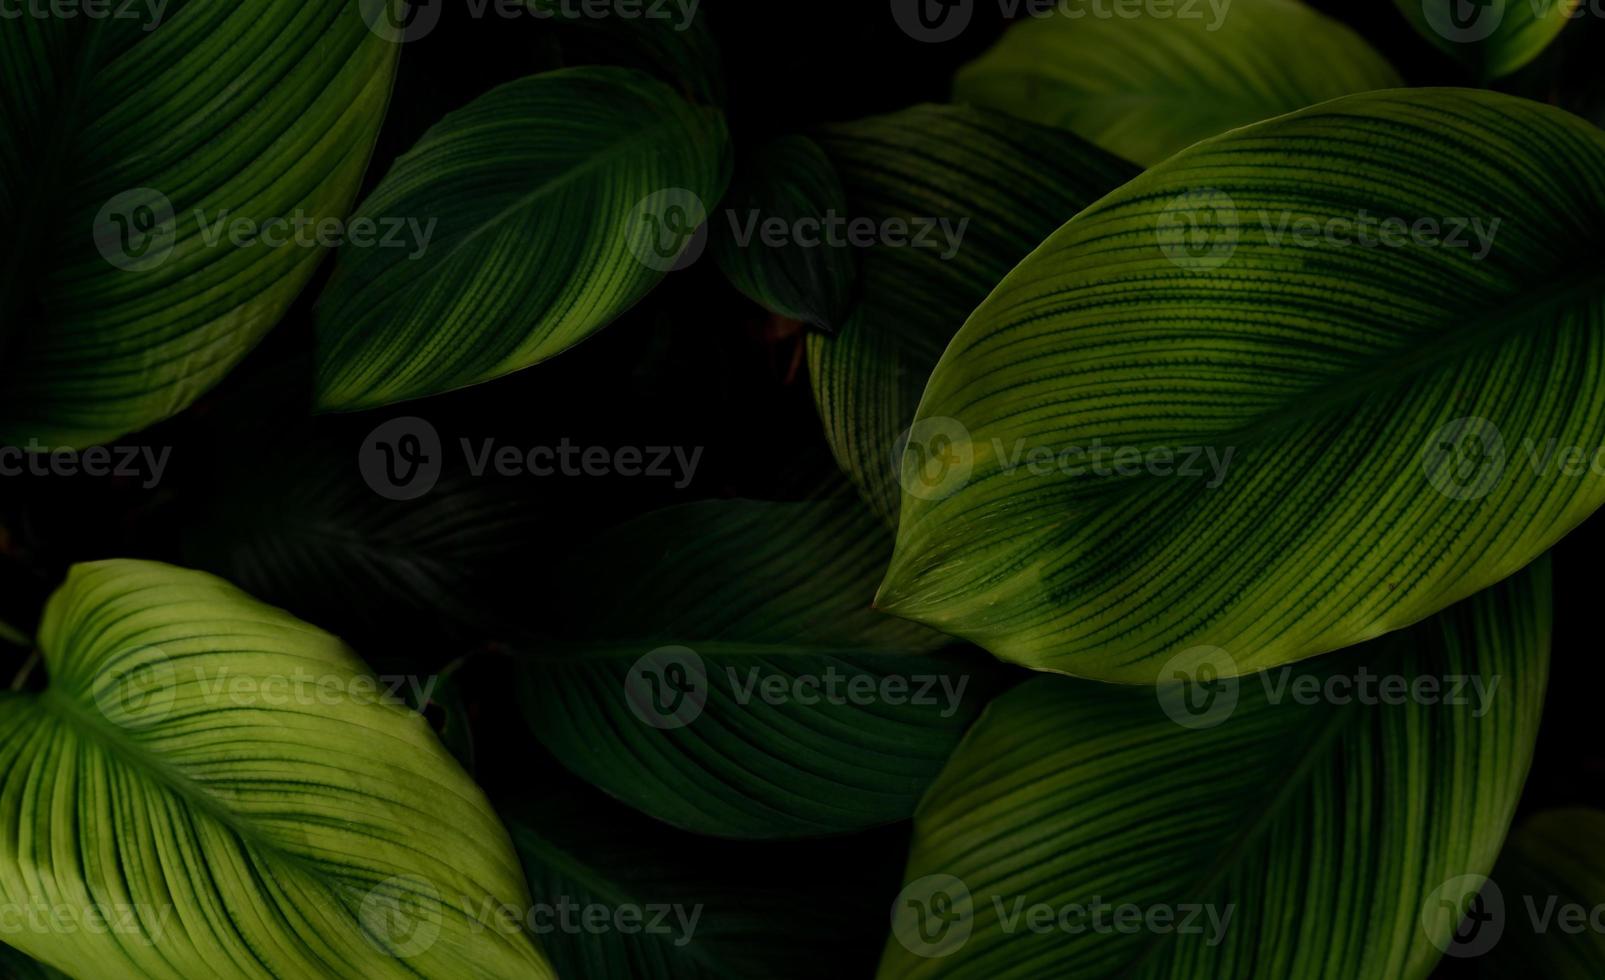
[(675, 489)]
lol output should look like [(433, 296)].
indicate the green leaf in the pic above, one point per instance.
[(1539, 910), (789, 181), (1225, 406), (723, 672), (1326, 833), (553, 205), (231, 791), (1492, 37), (123, 143), (1144, 86), (1009, 183)]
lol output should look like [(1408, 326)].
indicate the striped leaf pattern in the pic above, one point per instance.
[(556, 202), (1492, 37), (1144, 85), (805, 277), (1008, 184), (1549, 883), (1291, 838), (1211, 410), (685, 623), (124, 142), (230, 789)]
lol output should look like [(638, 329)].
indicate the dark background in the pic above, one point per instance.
[(263, 493)]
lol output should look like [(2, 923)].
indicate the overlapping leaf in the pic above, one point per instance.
[(1001, 186), (1297, 386), (1493, 37), (130, 146), (552, 205), (1290, 825), (1143, 83), (1540, 916), (210, 787), (723, 672)]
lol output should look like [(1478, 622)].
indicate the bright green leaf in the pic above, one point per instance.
[(1144, 86), (806, 276), (1002, 186), (1304, 823), (210, 787), (725, 673), (551, 205), (1297, 386), (129, 147), (1492, 37)]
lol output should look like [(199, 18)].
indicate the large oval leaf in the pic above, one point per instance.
[(722, 671), (1207, 411), (230, 788), (1492, 37), (1306, 823), (554, 204), (128, 147), (1144, 85), (1001, 186)]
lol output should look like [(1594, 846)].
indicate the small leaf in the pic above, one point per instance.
[(1145, 86), (550, 206), (1492, 37), (809, 273)]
